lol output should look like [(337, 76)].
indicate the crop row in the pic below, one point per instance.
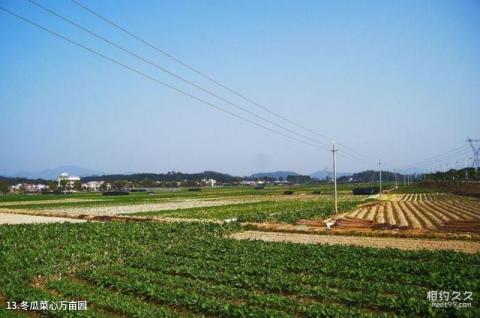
[(285, 211), (372, 274), (108, 301), (214, 298), (252, 291), (163, 270), (426, 196), (420, 214)]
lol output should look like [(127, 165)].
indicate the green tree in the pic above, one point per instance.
[(52, 185), (63, 184), (147, 183), (120, 184), (3, 187), (77, 185), (104, 187)]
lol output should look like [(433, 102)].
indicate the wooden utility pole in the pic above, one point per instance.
[(335, 175), (380, 170)]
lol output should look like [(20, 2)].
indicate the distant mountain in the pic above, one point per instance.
[(136, 177), (322, 174), (13, 180), (165, 177), (275, 174), (52, 174)]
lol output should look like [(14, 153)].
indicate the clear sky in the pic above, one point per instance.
[(394, 80)]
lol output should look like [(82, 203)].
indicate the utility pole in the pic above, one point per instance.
[(396, 183), (466, 169), (380, 170), (335, 175), (403, 180)]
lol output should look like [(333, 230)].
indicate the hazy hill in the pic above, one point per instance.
[(322, 174), (13, 180), (274, 174), (167, 177), (52, 174)]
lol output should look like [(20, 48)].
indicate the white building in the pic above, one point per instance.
[(70, 180), (248, 182), (28, 188), (16, 187), (209, 182), (40, 187), (92, 185)]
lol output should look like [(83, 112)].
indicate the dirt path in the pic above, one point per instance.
[(34, 202), (147, 207), (10, 218), (379, 242), (128, 209)]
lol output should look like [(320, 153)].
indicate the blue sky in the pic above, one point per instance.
[(394, 80)]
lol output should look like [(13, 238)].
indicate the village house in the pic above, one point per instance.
[(92, 186), (68, 180), (209, 182), (27, 188)]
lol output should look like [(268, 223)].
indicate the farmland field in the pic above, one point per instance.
[(150, 269), (244, 204), (422, 211), (427, 197), (170, 270), (288, 210)]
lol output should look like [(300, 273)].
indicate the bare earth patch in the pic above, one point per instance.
[(10, 218), (126, 209), (133, 208), (420, 211), (378, 242)]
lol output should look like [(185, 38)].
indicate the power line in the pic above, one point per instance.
[(210, 78), (442, 157), (153, 78), (136, 55), (446, 161), (441, 163), (431, 161), (437, 157), (347, 155)]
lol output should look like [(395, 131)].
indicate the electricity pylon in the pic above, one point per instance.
[(476, 152)]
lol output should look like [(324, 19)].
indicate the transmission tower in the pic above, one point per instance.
[(476, 152)]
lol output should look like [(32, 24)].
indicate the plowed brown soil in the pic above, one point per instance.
[(378, 242)]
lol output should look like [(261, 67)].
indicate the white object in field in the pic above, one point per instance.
[(230, 220), (330, 223)]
